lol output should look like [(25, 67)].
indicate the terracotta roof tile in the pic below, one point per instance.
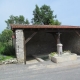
[(13, 26)]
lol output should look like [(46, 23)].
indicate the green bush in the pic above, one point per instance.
[(3, 58), (2, 49), (6, 49), (53, 53)]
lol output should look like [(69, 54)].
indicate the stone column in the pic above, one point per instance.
[(20, 45), (59, 45)]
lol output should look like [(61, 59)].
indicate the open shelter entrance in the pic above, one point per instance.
[(40, 39)]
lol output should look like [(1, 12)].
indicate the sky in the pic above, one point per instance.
[(67, 11)]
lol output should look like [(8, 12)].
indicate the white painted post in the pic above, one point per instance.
[(59, 49)]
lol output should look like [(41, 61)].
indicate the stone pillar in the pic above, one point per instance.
[(20, 45), (59, 45), (59, 49)]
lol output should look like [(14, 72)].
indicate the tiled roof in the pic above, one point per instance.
[(19, 26)]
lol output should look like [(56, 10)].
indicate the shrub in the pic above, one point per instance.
[(53, 53), (7, 50)]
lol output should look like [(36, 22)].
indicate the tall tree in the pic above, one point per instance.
[(16, 20), (44, 15), (5, 36)]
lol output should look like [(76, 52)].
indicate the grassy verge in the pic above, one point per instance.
[(3, 57)]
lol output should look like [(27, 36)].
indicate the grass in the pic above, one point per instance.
[(3, 57), (53, 53), (67, 51)]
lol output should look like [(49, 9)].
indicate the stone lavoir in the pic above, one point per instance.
[(62, 56), (42, 39)]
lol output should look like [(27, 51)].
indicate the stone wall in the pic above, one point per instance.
[(71, 41), (44, 43), (41, 43)]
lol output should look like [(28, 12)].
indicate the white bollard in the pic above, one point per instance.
[(59, 49)]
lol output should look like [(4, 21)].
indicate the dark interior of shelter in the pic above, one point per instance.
[(46, 42)]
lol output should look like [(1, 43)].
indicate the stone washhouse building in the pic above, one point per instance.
[(42, 39)]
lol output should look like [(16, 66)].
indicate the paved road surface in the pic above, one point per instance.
[(39, 72)]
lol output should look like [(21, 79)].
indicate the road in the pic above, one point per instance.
[(39, 72)]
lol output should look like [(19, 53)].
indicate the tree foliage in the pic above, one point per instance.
[(44, 15), (16, 20), (6, 47), (6, 36)]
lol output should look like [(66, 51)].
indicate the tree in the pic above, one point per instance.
[(6, 36), (44, 15), (16, 20), (6, 47)]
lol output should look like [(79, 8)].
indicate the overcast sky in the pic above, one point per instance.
[(68, 11)]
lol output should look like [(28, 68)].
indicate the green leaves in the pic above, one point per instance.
[(6, 47), (16, 20), (6, 36), (44, 15)]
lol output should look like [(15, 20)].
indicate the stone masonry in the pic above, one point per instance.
[(20, 45), (45, 43)]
